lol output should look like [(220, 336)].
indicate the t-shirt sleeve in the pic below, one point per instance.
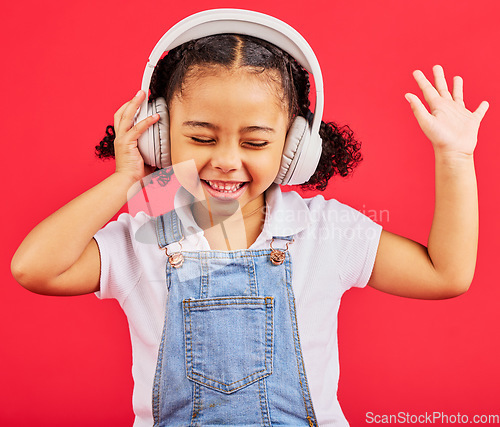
[(357, 239), (120, 267)]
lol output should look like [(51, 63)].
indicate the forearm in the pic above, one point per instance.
[(452, 244), (446, 267), (55, 244)]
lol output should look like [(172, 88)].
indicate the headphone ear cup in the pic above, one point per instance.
[(298, 132), (301, 154), (161, 134), (154, 143), (145, 142)]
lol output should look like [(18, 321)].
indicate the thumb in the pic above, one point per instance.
[(481, 110), (419, 110)]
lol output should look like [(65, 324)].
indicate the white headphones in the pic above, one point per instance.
[(303, 144)]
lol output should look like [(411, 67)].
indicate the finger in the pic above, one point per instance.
[(425, 86), (118, 115), (458, 89), (418, 108), (481, 110), (139, 128), (440, 81), (127, 119)]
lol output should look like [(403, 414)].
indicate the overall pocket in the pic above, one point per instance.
[(228, 341)]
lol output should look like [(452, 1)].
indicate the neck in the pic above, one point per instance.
[(239, 228)]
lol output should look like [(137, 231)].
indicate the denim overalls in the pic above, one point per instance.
[(230, 350)]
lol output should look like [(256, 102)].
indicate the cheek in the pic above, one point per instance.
[(181, 152), (278, 154), (268, 165), (186, 170), (177, 154)]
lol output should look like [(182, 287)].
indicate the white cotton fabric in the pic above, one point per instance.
[(334, 249)]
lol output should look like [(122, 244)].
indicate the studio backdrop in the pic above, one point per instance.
[(68, 66)]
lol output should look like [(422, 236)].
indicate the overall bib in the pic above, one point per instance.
[(230, 349)]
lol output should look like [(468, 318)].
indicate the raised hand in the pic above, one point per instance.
[(450, 126), (127, 156)]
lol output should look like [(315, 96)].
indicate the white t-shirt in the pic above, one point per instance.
[(334, 249)]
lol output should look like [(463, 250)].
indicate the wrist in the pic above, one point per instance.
[(453, 158), (124, 180)]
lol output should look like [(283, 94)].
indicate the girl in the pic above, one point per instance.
[(244, 330)]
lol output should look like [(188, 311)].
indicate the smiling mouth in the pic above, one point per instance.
[(224, 187)]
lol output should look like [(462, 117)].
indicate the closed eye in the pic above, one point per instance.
[(201, 140), (254, 144), (207, 141)]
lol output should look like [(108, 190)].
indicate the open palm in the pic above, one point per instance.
[(449, 125)]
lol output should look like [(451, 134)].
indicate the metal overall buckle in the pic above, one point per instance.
[(278, 255), (176, 259)]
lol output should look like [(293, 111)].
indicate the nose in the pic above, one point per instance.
[(226, 157)]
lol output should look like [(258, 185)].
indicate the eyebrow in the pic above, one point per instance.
[(211, 126)]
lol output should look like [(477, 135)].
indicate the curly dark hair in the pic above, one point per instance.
[(340, 151)]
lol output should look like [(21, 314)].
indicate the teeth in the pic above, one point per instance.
[(225, 188)]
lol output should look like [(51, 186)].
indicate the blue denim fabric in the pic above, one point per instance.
[(230, 350)]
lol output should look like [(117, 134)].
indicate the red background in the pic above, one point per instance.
[(67, 66)]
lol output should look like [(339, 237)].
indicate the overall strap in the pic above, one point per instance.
[(289, 238), (168, 229)]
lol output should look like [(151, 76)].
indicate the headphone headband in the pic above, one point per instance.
[(239, 21), (303, 144)]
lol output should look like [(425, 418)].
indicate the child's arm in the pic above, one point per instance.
[(446, 267), (59, 256)]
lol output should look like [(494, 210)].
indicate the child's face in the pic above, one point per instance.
[(233, 125)]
